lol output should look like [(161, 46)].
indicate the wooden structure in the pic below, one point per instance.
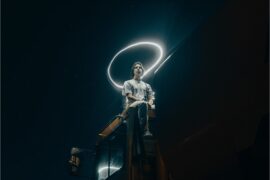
[(123, 153)]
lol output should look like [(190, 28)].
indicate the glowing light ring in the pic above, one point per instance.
[(132, 46)]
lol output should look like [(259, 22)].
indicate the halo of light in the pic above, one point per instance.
[(132, 46)]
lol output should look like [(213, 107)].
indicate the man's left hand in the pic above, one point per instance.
[(150, 102)]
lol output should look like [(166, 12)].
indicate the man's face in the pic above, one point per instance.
[(138, 71)]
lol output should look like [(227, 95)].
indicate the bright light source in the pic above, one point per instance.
[(112, 168), (156, 62), (103, 172)]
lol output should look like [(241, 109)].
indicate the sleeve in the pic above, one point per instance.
[(150, 92), (127, 88)]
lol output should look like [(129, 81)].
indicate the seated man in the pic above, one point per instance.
[(139, 94)]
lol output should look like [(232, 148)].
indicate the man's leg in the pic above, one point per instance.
[(143, 116)]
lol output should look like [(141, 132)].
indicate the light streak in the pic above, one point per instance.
[(163, 63)]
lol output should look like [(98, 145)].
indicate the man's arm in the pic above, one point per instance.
[(150, 95), (129, 95)]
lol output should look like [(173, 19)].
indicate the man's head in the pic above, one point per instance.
[(137, 69)]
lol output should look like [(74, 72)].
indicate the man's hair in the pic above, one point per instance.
[(133, 67)]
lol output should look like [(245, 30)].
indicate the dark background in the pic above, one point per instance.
[(212, 95)]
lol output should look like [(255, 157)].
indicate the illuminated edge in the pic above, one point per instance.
[(106, 168)]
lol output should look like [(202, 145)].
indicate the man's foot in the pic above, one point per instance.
[(147, 133)]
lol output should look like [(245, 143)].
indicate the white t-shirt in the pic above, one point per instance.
[(138, 89)]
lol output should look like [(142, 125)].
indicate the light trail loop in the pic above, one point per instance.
[(156, 62)]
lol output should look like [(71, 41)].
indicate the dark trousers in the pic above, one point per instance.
[(142, 115)]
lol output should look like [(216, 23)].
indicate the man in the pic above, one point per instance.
[(139, 94)]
